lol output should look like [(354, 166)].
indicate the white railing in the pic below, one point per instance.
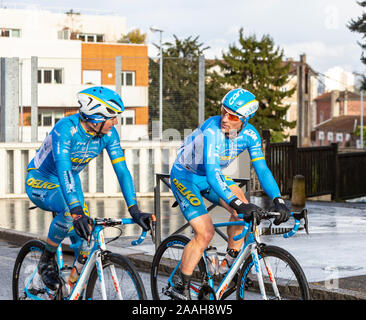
[(143, 158)]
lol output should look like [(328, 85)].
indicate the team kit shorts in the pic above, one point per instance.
[(189, 190)]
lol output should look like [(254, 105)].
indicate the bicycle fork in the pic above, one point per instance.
[(258, 271)]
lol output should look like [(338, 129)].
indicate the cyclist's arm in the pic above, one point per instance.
[(265, 176), (211, 161), (61, 146), (124, 177)]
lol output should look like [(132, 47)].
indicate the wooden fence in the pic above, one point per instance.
[(326, 171)]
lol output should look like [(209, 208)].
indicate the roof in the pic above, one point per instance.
[(341, 123), (326, 96)]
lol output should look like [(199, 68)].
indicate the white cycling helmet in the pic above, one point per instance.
[(98, 104)]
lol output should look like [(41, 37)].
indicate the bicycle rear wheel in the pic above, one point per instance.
[(165, 265), (26, 282), (128, 278), (286, 271)]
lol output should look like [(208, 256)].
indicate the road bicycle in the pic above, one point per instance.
[(104, 276), (259, 271)]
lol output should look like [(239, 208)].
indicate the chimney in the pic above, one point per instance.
[(334, 103)]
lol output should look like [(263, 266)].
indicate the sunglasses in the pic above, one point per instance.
[(230, 114)]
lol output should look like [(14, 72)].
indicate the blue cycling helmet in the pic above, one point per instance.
[(241, 102), (98, 104)]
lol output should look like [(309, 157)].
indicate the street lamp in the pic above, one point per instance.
[(361, 107), (160, 84)]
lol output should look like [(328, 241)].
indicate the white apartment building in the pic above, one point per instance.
[(74, 51)]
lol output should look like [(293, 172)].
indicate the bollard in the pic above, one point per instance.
[(298, 192)]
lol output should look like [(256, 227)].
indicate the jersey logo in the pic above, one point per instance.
[(251, 134), (40, 184), (191, 197), (77, 160)]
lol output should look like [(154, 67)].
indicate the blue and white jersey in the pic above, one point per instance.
[(69, 148), (208, 150)]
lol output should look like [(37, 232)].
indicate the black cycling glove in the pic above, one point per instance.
[(280, 206), (249, 210), (81, 222), (141, 218)]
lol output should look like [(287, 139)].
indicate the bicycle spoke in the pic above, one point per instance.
[(282, 277)]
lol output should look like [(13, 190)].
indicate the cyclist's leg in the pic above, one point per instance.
[(213, 197), (185, 187), (45, 193)]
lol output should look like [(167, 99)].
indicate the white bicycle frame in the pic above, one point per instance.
[(95, 258), (249, 247)]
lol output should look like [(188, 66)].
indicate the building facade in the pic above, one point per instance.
[(338, 115), (302, 108), (74, 51)]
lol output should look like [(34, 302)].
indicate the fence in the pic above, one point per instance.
[(325, 170), (351, 175), (45, 90), (143, 158)]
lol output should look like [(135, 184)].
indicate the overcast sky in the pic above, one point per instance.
[(314, 27)]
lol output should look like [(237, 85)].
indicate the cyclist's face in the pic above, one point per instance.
[(229, 121), (109, 124)]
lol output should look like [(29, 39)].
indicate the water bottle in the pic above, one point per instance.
[(79, 264), (212, 260), (65, 274)]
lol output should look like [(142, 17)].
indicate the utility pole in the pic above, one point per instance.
[(160, 84), (361, 123)]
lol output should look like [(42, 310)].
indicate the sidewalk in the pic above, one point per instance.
[(346, 288)]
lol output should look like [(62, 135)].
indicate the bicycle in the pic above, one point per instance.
[(105, 275), (259, 271)]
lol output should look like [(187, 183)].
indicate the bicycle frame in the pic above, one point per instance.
[(249, 247), (94, 258)]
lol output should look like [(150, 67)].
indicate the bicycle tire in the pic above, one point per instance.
[(290, 286), (132, 287), (25, 264), (164, 262)]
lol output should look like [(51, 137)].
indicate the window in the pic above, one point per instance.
[(64, 34), (330, 136), (92, 77), (90, 37), (128, 117), (339, 137), (321, 135), (48, 118), (12, 33), (128, 78), (50, 75)]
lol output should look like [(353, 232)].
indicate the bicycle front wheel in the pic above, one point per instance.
[(26, 282), (166, 264), (122, 280), (279, 266)]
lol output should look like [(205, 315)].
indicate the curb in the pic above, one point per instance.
[(143, 263)]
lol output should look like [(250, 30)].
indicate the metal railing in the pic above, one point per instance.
[(143, 158)]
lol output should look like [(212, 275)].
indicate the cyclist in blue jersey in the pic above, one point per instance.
[(53, 181), (197, 173)]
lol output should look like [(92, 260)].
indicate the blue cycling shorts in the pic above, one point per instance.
[(45, 193), (189, 189)]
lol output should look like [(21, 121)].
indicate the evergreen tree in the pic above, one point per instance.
[(359, 25), (256, 65), (180, 84)]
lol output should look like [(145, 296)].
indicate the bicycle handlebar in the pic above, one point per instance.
[(112, 222), (303, 214)]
